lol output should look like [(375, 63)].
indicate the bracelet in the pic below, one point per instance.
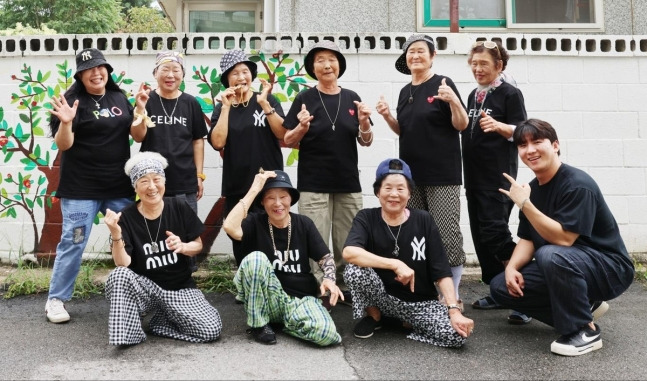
[(241, 201), (364, 132), (365, 141), (202, 176), (522, 204), (272, 111), (145, 117), (112, 240)]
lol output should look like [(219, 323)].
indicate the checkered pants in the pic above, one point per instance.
[(183, 314), (429, 319), (444, 205), (265, 302)]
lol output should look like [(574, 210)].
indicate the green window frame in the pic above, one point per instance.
[(429, 22)]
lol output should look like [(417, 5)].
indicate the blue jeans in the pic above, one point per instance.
[(78, 217), (561, 283), (190, 198)]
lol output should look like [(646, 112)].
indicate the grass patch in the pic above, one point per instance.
[(30, 278), (218, 277), (641, 272)]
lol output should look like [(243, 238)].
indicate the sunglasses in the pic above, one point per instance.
[(488, 45)]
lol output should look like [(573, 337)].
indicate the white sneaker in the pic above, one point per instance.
[(56, 312)]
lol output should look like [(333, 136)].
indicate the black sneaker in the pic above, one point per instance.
[(581, 342), (598, 309), (264, 334), (366, 327)]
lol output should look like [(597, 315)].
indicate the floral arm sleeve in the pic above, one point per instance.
[(327, 265)]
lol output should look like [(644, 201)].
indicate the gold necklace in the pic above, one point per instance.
[(239, 102), (287, 251)]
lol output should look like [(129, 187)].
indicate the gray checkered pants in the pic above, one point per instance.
[(183, 314), (429, 319)]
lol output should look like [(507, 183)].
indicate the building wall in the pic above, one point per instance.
[(590, 87), (375, 16)]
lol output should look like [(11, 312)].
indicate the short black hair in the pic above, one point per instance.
[(536, 129)]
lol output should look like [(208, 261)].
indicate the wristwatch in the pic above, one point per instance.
[(451, 306)]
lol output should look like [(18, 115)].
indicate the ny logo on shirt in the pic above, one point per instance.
[(419, 247), (259, 118)]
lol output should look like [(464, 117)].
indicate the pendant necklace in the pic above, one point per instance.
[(164, 109), (154, 246), (477, 115), (96, 101), (416, 89), (396, 249), (324, 106), (287, 251)]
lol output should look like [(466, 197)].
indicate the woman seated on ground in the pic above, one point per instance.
[(153, 273), (395, 256), (274, 280)]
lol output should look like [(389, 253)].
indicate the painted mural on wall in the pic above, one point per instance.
[(30, 173)]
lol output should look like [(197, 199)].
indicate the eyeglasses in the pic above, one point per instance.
[(488, 45)]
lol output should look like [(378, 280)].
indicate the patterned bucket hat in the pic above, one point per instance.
[(324, 45), (231, 59)]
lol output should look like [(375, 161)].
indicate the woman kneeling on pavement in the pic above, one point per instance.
[(274, 281), (395, 256), (153, 273)]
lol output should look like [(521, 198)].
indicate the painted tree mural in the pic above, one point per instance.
[(31, 185)]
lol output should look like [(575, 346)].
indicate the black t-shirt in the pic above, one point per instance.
[(573, 199), (93, 168), (487, 155), (327, 157), (168, 270), (305, 243), (250, 145), (421, 249), (429, 143), (173, 136)]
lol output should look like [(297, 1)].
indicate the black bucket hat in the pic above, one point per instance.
[(282, 180), (324, 45), (89, 58), (231, 59), (401, 62)]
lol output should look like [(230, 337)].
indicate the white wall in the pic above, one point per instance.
[(591, 88)]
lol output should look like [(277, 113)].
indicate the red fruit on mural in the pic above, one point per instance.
[(123, 73), (26, 183), (351, 112), (34, 103), (3, 141), (9, 175), (13, 77)]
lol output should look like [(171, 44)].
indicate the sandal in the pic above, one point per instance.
[(486, 303), (519, 318)]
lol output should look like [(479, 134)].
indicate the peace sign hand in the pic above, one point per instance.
[(518, 192)]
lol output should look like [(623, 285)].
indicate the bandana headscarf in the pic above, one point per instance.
[(144, 163)]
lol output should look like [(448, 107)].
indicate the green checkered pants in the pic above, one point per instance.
[(265, 301)]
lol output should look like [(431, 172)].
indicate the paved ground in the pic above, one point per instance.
[(34, 349)]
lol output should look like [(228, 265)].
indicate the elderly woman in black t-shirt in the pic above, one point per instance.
[(327, 122), (248, 127), (395, 256), (495, 108), (151, 243), (274, 280), (430, 115)]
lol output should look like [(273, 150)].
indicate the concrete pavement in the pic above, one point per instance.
[(32, 348)]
